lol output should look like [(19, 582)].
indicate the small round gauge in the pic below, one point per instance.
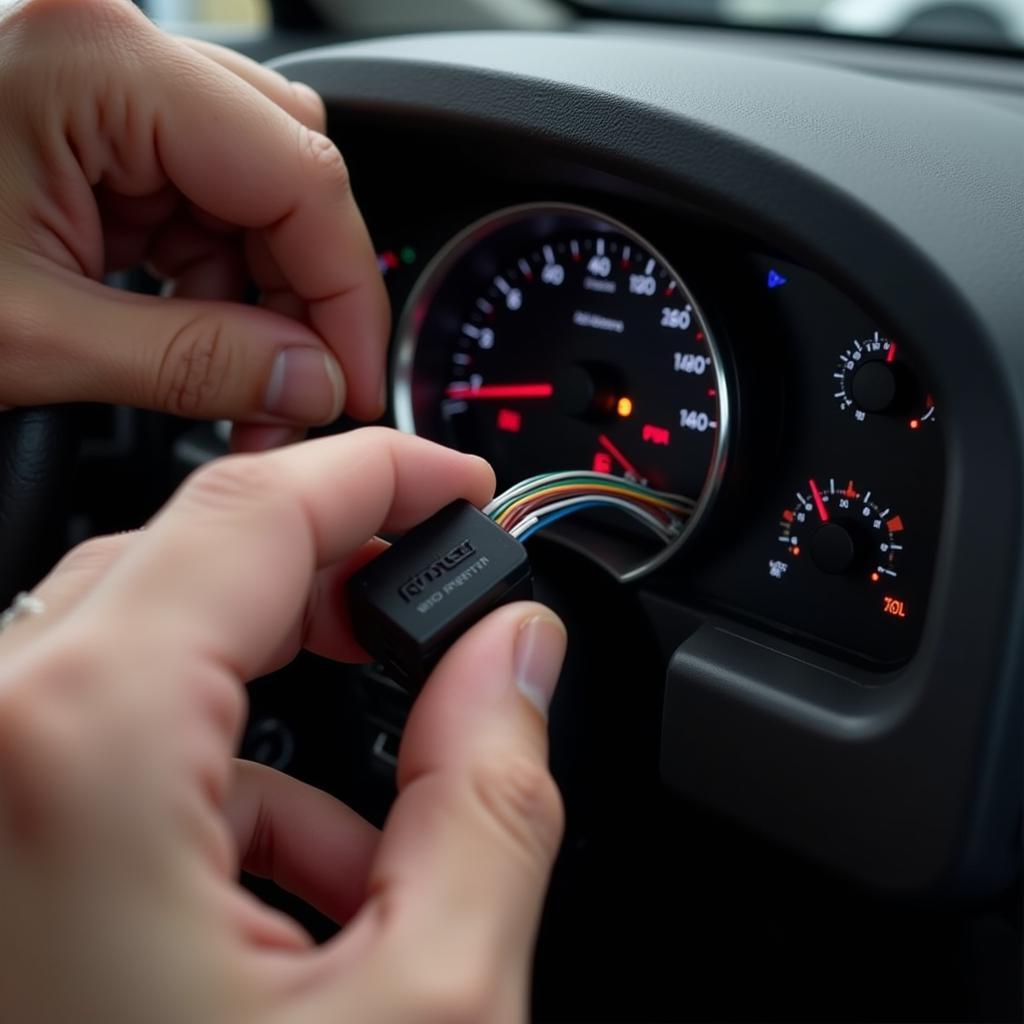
[(840, 531), (874, 380), (551, 337)]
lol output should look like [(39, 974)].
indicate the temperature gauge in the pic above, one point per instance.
[(873, 380), (840, 531)]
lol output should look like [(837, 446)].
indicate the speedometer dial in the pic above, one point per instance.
[(553, 338)]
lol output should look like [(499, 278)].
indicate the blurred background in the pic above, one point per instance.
[(996, 24)]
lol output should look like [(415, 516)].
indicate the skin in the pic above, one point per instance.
[(126, 146), (124, 817)]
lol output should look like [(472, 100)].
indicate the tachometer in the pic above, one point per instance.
[(550, 337)]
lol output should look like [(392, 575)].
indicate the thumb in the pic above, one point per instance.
[(78, 340), (460, 876)]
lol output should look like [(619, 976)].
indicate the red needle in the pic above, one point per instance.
[(626, 464), (819, 504), (500, 391), (891, 354)]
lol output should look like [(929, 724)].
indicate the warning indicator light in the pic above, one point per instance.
[(510, 420)]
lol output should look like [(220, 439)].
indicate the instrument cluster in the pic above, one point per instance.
[(550, 335)]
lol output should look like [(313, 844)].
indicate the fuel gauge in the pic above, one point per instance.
[(874, 380)]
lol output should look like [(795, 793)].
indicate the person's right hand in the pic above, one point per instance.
[(124, 820), (122, 145)]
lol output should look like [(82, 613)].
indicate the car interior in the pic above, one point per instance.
[(708, 247)]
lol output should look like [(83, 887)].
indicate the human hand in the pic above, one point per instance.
[(123, 145), (124, 820)]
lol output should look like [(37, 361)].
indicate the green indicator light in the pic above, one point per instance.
[(408, 255)]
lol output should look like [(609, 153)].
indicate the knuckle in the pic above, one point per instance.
[(93, 555), (521, 798), (78, 15), (222, 702), (452, 994), (61, 677), (326, 159), (233, 480), (195, 366)]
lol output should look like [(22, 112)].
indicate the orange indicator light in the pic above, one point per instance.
[(914, 424), (796, 550), (894, 606), (875, 577), (624, 407)]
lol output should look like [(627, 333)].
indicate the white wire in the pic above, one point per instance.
[(551, 479), (666, 533)]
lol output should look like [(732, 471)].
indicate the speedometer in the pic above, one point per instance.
[(551, 337)]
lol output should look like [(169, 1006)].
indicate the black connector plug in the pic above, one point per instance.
[(412, 602)]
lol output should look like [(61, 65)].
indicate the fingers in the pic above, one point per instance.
[(460, 876), (307, 842), (292, 184), (299, 100), (188, 357), (227, 568), (243, 150)]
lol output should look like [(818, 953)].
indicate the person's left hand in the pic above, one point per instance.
[(123, 145)]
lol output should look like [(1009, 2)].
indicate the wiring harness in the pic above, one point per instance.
[(539, 501)]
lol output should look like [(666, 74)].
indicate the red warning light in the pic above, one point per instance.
[(875, 577), (788, 515), (510, 420), (895, 524), (914, 424), (602, 462), (894, 606), (656, 435)]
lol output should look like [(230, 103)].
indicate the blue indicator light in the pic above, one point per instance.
[(775, 279)]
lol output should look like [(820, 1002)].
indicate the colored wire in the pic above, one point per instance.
[(550, 513), (535, 503)]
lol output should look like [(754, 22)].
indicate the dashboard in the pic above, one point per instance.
[(551, 336), (651, 260)]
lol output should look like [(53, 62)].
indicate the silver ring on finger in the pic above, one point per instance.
[(23, 606)]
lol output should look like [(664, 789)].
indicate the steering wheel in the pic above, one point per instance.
[(38, 448)]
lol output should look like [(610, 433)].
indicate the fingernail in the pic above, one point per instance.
[(305, 386), (540, 648)]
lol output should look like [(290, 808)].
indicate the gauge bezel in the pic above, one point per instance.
[(407, 336)]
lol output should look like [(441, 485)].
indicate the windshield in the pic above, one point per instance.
[(997, 24)]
